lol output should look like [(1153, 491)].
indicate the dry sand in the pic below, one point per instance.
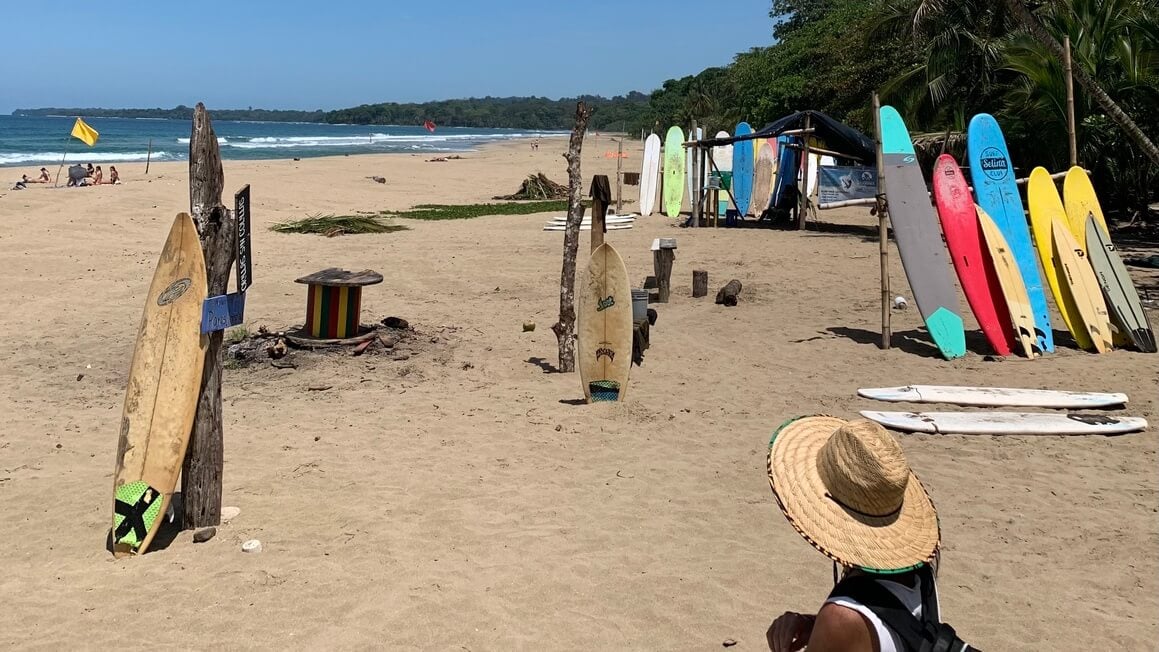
[(462, 500)]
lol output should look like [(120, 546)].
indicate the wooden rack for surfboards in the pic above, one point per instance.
[(334, 301)]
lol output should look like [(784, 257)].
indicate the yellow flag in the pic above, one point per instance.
[(83, 132)]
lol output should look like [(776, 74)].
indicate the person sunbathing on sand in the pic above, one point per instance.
[(114, 176), (847, 489), (43, 176), (98, 176)]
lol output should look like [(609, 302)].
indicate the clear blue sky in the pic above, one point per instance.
[(324, 54)]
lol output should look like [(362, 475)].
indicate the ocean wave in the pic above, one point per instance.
[(13, 158), (221, 140)]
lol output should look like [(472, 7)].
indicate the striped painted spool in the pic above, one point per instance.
[(333, 312)]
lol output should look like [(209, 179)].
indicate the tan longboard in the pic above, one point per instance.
[(605, 326), (161, 396), (1010, 279), (1078, 280)]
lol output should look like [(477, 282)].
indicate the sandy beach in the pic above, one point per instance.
[(463, 499)]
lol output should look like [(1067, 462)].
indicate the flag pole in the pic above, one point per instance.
[(56, 183)]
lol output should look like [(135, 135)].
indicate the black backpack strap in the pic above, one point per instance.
[(887, 607)]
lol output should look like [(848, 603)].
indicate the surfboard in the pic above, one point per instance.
[(786, 174), (1078, 279), (161, 395), (648, 173), (964, 237), (1007, 423), (762, 180), (1012, 283), (742, 169), (673, 171), (690, 183), (1118, 288), (812, 174), (919, 240), (997, 193), (588, 227), (604, 346), (722, 154), (1045, 207), (994, 397), (1081, 201)]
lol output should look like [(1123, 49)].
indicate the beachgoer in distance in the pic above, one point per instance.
[(43, 176), (89, 169), (847, 489), (114, 176), (98, 176)]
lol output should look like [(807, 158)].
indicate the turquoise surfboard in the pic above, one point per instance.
[(742, 169), (997, 193), (919, 238)]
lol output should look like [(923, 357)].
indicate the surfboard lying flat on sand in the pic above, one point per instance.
[(1079, 282), (648, 173), (919, 239), (1010, 279), (762, 180), (1006, 423), (1118, 288), (742, 169), (673, 171), (1045, 207), (587, 226), (161, 396), (994, 396), (964, 240), (604, 346), (997, 193)]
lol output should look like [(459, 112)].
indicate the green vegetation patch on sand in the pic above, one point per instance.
[(467, 211), (332, 225)]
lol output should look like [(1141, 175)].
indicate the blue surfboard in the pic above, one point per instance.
[(742, 169), (919, 238), (787, 168), (997, 193)]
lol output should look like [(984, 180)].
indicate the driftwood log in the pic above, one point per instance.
[(564, 329), (728, 294), (201, 474), (699, 283)]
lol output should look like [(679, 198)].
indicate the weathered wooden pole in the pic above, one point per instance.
[(882, 227), (149, 155), (1070, 126), (803, 183), (201, 474), (696, 166), (600, 193), (564, 329), (619, 176)]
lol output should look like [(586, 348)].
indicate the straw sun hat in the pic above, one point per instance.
[(847, 489)]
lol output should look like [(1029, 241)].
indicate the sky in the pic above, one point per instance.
[(328, 54)]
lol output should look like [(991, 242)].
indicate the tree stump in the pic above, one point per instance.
[(699, 283), (728, 294), (662, 265)]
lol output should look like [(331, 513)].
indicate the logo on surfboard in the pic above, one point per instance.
[(994, 163), (604, 304), (606, 352), (174, 291)]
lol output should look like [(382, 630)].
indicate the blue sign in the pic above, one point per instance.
[(219, 313), (845, 183)]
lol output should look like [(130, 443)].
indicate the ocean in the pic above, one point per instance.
[(34, 141)]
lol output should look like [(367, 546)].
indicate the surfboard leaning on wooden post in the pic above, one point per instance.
[(605, 327)]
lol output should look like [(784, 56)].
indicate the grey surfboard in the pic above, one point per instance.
[(1118, 288)]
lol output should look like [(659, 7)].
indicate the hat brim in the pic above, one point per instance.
[(896, 543)]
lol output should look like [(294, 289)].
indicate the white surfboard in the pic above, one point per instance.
[(649, 172), (586, 227), (689, 181), (1007, 423), (994, 396)]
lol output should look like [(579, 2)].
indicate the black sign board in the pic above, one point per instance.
[(245, 262)]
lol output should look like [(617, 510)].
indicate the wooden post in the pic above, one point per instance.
[(803, 183), (149, 156), (600, 201), (882, 228), (662, 260), (1070, 126), (699, 283), (201, 473), (693, 191), (619, 176), (564, 329)]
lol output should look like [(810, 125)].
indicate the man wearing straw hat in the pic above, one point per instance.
[(847, 489)]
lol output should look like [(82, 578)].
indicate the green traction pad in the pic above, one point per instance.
[(135, 511)]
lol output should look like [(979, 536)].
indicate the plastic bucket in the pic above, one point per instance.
[(639, 304)]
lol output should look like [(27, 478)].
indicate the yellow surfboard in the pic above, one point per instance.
[(1081, 286), (1010, 278), (161, 397), (1081, 201), (1045, 207)]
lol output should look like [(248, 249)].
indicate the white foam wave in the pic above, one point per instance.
[(221, 140), (13, 158)]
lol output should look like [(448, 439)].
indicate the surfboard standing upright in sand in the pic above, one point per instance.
[(1011, 280), (161, 397), (604, 346), (997, 193), (742, 169), (964, 240), (648, 174), (762, 180), (1079, 280), (919, 240), (673, 171), (1118, 288)]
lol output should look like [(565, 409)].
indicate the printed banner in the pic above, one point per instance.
[(845, 183)]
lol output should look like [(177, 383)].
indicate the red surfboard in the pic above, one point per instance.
[(964, 240)]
